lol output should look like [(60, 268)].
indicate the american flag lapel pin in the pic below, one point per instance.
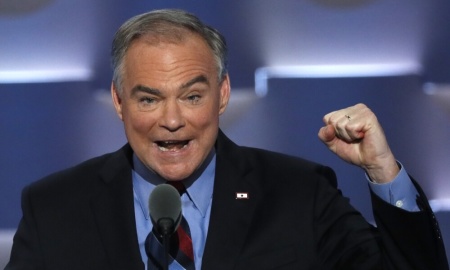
[(241, 195)]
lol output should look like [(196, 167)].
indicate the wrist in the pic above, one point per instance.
[(383, 174)]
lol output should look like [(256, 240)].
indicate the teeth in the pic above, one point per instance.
[(167, 146), (163, 149)]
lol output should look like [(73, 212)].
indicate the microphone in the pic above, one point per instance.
[(165, 212), (165, 209)]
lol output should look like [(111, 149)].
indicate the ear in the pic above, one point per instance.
[(117, 100), (225, 90)]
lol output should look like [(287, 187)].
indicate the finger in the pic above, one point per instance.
[(354, 133), (352, 130), (349, 113), (327, 117), (349, 123), (342, 125)]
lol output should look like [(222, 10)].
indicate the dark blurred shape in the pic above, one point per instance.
[(19, 7)]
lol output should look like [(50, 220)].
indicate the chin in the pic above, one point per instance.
[(176, 176)]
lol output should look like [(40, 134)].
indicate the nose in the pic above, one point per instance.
[(172, 116)]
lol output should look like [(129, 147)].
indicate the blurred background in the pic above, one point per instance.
[(290, 62)]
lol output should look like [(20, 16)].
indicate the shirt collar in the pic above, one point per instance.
[(199, 186)]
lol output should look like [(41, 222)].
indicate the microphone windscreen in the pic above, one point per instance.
[(165, 202)]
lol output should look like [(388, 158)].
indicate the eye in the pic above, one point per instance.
[(146, 100), (194, 98), (146, 103)]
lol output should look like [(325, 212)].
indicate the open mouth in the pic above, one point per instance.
[(173, 146)]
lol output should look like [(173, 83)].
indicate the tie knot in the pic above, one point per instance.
[(178, 185)]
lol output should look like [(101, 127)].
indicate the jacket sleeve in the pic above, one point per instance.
[(401, 240), (410, 240)]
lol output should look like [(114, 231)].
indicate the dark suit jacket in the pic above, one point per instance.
[(294, 218)]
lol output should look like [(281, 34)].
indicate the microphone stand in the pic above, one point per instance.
[(166, 227), (166, 245)]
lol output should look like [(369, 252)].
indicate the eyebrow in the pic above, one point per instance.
[(157, 92), (198, 79), (146, 89)]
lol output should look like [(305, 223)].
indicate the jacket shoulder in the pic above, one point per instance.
[(287, 165), (272, 164), (78, 177)]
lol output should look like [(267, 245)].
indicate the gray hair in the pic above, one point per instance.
[(170, 24)]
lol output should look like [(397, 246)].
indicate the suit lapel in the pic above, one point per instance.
[(230, 218), (113, 210)]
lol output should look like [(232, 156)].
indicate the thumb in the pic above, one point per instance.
[(327, 134)]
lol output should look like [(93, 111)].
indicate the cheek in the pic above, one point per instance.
[(138, 123), (205, 119)]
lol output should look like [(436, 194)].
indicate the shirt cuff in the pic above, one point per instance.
[(400, 192)]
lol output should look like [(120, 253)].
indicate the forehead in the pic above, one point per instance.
[(165, 33), (153, 58), (191, 42)]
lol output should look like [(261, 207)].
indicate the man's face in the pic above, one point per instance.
[(170, 104)]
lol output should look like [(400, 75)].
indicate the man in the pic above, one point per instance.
[(169, 88)]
